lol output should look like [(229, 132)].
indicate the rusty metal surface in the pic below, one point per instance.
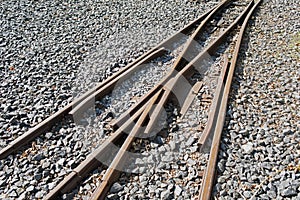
[(168, 43), (175, 76), (172, 79), (152, 96), (33, 132), (190, 98), (56, 117), (100, 153), (185, 71), (126, 115), (212, 116), (157, 111), (207, 186), (190, 50), (210, 50), (181, 87), (179, 62)]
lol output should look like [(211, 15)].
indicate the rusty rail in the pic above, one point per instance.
[(207, 186), (192, 94), (212, 117), (171, 81), (92, 161), (196, 64), (188, 54)]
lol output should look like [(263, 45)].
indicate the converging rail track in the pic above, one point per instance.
[(142, 118)]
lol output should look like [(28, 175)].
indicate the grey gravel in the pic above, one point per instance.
[(178, 190), (289, 192), (248, 148), (121, 100), (179, 167), (116, 187), (165, 194)]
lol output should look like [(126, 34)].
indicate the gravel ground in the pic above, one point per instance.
[(51, 51), (260, 148)]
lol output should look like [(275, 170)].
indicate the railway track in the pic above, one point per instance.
[(216, 35)]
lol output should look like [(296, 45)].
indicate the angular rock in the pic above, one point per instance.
[(289, 192), (177, 190), (115, 188), (165, 194), (248, 148)]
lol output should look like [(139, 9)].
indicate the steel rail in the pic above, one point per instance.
[(93, 160), (214, 108), (197, 62), (179, 61), (207, 186), (86, 103), (112, 173), (57, 116), (82, 106), (185, 56), (187, 53), (190, 98), (106, 86), (177, 85)]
